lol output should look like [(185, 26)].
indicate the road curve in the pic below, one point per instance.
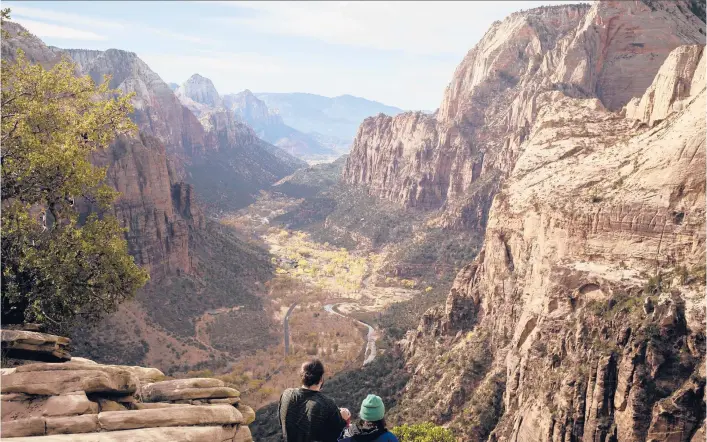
[(371, 351), (286, 328)]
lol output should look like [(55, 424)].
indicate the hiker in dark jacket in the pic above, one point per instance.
[(371, 427), (305, 414)]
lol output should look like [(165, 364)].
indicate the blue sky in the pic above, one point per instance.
[(399, 53)]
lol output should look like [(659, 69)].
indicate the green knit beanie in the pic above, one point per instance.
[(372, 408)]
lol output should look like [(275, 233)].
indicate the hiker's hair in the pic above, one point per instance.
[(312, 372), (379, 425)]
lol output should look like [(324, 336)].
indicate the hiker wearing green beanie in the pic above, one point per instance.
[(371, 426)]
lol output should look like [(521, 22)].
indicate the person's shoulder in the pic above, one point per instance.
[(288, 393)]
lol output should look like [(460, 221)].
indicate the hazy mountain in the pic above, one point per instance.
[(333, 117), (269, 126)]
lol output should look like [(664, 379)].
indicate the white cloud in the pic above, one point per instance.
[(417, 27), (63, 17), (42, 29)]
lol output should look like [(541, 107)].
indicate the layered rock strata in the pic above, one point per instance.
[(82, 400)]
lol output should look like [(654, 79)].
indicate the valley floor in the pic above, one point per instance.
[(336, 294)]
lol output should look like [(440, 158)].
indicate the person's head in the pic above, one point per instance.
[(312, 373), (372, 411)]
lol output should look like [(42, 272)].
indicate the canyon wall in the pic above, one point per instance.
[(582, 318), (455, 160)]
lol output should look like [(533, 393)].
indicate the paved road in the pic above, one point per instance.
[(286, 327), (370, 354)]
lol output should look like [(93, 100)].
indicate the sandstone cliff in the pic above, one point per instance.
[(582, 318), (455, 160)]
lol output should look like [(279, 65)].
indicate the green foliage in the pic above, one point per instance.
[(55, 269), (426, 432), (4, 15)]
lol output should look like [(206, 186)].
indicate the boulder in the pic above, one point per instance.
[(69, 404), (87, 423), (172, 434), (248, 414), (170, 417), (33, 426), (55, 382), (22, 344)]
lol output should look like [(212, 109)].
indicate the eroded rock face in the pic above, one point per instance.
[(456, 160), (583, 316), (672, 86)]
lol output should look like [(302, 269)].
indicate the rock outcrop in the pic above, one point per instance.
[(19, 343), (582, 318), (455, 160), (83, 400)]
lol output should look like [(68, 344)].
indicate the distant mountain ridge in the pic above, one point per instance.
[(332, 117), (200, 96)]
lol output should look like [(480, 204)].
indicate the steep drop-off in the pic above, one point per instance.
[(582, 318)]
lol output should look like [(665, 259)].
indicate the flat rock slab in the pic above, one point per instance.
[(22, 344), (186, 383), (153, 405), (55, 382), (88, 423), (188, 394), (170, 417), (171, 434), (33, 426), (144, 374), (187, 390)]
